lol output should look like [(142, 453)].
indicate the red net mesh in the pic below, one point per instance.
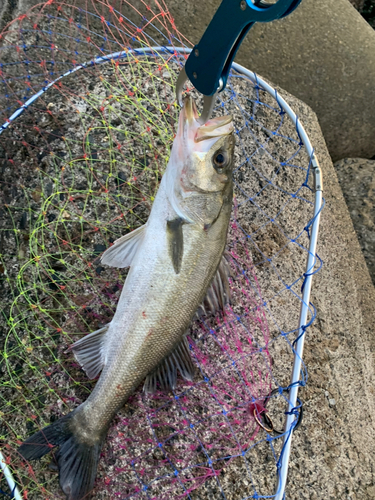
[(80, 165)]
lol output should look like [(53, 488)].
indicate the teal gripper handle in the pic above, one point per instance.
[(209, 62)]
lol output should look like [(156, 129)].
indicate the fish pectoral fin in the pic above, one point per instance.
[(218, 293), (175, 242), (166, 372), (89, 352), (122, 252)]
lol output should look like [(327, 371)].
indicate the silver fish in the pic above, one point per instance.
[(177, 265)]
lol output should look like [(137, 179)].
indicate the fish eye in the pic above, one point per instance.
[(220, 160)]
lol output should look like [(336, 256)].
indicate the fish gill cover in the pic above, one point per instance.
[(80, 167)]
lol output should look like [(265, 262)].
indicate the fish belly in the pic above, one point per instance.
[(155, 310)]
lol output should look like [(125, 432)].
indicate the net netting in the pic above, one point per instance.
[(80, 165)]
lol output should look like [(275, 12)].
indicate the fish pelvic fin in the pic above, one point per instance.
[(165, 374), (123, 251), (89, 352), (218, 293), (77, 460)]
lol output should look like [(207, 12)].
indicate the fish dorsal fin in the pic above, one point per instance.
[(166, 372), (218, 293), (89, 352), (122, 252)]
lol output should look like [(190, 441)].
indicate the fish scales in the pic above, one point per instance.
[(175, 259), (168, 305)]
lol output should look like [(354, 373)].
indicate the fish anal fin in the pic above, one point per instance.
[(122, 252), (175, 242), (218, 293), (165, 374), (89, 352)]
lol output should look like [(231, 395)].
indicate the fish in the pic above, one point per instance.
[(178, 268)]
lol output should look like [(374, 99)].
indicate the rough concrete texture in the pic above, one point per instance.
[(339, 355), (9, 9), (332, 453), (357, 181), (323, 53)]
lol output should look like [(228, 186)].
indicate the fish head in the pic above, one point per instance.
[(200, 167), (204, 152)]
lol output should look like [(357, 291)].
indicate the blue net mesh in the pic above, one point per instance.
[(88, 116)]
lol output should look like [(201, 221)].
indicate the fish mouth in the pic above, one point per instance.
[(217, 127), (189, 111)]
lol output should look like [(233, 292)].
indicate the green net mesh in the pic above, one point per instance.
[(79, 168)]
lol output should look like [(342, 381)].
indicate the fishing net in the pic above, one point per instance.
[(80, 164)]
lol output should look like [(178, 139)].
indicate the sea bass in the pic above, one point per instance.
[(177, 265)]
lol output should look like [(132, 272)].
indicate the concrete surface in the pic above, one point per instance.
[(333, 452), (339, 355), (323, 53), (357, 181)]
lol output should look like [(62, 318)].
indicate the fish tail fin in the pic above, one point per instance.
[(77, 460)]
